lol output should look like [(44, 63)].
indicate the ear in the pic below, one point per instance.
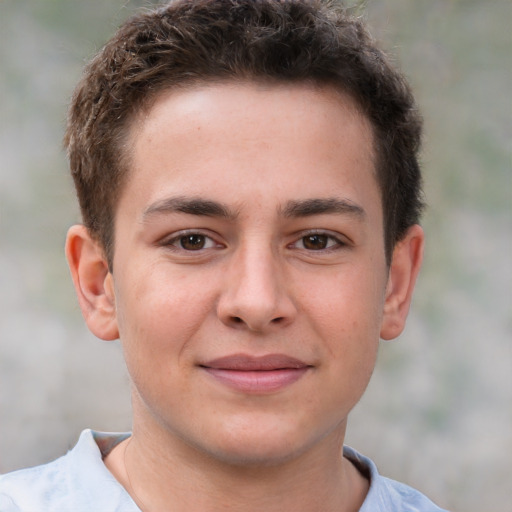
[(405, 266), (93, 282)]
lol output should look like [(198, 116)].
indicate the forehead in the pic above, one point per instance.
[(256, 136), (218, 101)]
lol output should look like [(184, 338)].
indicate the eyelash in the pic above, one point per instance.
[(334, 242), (177, 242)]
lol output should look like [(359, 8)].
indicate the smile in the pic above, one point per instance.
[(256, 375)]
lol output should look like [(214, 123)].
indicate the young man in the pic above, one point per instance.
[(248, 178)]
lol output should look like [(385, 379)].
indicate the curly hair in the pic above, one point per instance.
[(188, 42)]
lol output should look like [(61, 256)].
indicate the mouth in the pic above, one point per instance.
[(257, 375)]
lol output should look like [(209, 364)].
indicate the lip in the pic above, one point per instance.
[(256, 375)]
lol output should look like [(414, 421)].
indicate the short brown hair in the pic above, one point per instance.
[(197, 41)]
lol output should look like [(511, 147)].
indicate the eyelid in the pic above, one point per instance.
[(172, 240), (341, 240)]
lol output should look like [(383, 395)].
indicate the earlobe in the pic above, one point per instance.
[(404, 269), (93, 282)]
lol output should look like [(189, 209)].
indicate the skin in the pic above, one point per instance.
[(276, 185)]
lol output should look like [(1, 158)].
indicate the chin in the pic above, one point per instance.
[(255, 456), (261, 444)]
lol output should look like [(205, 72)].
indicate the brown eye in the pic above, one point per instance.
[(315, 242), (193, 242)]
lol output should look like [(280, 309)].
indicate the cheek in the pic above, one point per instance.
[(346, 315), (348, 304), (159, 312)]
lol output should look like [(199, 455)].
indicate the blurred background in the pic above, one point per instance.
[(438, 412)]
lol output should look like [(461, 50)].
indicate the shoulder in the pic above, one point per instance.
[(386, 494), (405, 498), (27, 489), (76, 481)]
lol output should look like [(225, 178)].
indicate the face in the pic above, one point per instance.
[(249, 268)]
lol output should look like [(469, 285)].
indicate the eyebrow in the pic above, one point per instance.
[(309, 207), (294, 209), (190, 205)]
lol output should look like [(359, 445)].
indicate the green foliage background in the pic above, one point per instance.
[(438, 413)]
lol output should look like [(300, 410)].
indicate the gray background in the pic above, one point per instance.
[(438, 413)]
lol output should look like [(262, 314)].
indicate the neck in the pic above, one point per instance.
[(158, 470)]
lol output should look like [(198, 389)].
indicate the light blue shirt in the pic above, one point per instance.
[(80, 482)]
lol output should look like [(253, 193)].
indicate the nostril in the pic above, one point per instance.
[(278, 320), (237, 320)]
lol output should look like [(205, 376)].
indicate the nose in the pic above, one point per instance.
[(255, 293)]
